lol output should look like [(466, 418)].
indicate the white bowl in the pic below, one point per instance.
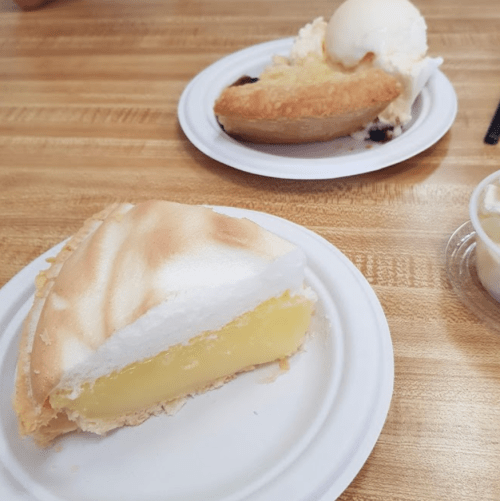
[(487, 251)]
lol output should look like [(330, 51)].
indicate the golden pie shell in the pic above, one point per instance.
[(312, 102)]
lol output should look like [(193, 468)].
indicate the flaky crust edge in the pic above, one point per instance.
[(34, 417)]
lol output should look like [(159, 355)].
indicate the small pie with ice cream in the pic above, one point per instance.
[(148, 304), (360, 72)]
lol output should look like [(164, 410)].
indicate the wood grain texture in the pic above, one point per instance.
[(88, 116)]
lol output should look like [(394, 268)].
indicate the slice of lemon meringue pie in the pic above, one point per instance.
[(149, 304)]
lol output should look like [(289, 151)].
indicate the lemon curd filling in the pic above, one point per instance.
[(272, 331)]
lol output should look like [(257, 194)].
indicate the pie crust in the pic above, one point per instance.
[(310, 100)]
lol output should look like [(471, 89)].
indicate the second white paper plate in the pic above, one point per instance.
[(433, 114)]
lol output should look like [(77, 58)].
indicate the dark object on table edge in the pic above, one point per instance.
[(31, 4), (493, 133)]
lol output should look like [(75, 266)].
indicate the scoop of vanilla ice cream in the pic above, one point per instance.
[(388, 28), (396, 33)]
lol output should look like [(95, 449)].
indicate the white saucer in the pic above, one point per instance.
[(434, 112), (300, 436)]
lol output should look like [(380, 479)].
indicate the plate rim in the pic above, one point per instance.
[(351, 468), (205, 134)]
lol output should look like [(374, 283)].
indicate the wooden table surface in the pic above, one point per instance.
[(88, 116)]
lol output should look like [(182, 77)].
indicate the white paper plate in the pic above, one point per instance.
[(303, 436), (433, 114)]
